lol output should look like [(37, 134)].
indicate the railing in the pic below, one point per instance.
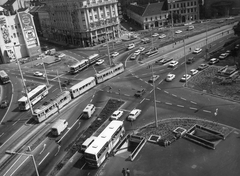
[(133, 155)]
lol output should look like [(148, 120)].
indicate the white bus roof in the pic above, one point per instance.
[(80, 84), (32, 92), (95, 147), (93, 56), (109, 68), (3, 73), (88, 107), (58, 123), (79, 63)]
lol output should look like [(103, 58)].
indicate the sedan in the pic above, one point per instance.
[(99, 62), (141, 49), (4, 104), (116, 115), (38, 74), (173, 63), (133, 57), (213, 61), (153, 78), (134, 114), (178, 32), (193, 71), (203, 66), (197, 50), (223, 56), (162, 36), (170, 77), (137, 52), (114, 54), (155, 34), (131, 46), (185, 77)]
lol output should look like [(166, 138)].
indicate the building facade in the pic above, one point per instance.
[(18, 37), (149, 15), (83, 22)]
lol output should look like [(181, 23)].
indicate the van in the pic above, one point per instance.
[(191, 27), (88, 111), (59, 126), (87, 143)]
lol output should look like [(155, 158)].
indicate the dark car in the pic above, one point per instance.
[(65, 83), (140, 93), (4, 104), (190, 60), (203, 66)]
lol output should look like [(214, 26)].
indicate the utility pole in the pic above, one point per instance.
[(154, 95)]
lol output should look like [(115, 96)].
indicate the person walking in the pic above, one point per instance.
[(124, 172), (216, 112), (128, 172)]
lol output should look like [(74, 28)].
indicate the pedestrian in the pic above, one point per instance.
[(216, 112), (128, 172), (124, 172)]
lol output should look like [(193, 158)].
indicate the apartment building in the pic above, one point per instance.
[(83, 22)]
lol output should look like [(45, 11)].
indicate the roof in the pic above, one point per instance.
[(9, 2), (42, 8), (147, 9)]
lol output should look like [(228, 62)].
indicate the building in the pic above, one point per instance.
[(83, 22), (18, 36), (183, 11), (148, 15)]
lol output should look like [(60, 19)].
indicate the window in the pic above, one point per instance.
[(146, 19), (12, 26), (14, 35)]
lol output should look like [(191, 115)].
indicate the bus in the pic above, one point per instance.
[(35, 95), (4, 77), (93, 58), (47, 109), (78, 66), (102, 146), (152, 52)]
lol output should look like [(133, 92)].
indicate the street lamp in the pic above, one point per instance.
[(154, 95), (171, 3), (206, 41), (110, 63), (184, 49), (45, 72)]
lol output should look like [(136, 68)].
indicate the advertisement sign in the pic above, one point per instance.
[(26, 20), (4, 30)]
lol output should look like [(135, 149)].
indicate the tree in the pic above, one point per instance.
[(236, 29)]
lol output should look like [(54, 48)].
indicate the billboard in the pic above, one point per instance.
[(4, 30)]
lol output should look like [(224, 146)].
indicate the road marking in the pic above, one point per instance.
[(142, 100), (183, 98), (207, 111), (83, 166), (54, 90), (15, 122), (174, 95), (160, 82), (168, 103), (180, 106), (151, 91), (193, 102), (166, 91), (147, 99), (1, 134), (158, 101), (159, 88), (43, 159), (18, 165), (193, 108)]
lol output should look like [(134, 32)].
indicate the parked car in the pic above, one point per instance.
[(213, 61), (153, 78), (115, 54), (131, 46), (162, 36), (4, 104), (99, 62), (38, 74), (185, 77), (116, 115), (173, 63), (203, 66), (178, 32), (190, 60), (155, 34), (134, 114), (197, 50), (170, 77), (223, 56), (133, 57), (141, 49), (137, 52), (193, 72), (140, 93)]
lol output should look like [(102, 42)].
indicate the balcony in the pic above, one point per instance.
[(99, 3)]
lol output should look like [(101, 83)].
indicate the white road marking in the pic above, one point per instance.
[(166, 91), (193, 108), (158, 101), (43, 159), (168, 103), (207, 111), (15, 122), (142, 100), (54, 90), (183, 98), (1, 134), (174, 95), (19, 166), (151, 91), (160, 82), (147, 99), (193, 102), (159, 88), (180, 106)]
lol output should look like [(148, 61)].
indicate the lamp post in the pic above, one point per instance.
[(206, 41), (45, 72), (171, 3), (110, 63), (154, 95), (184, 49)]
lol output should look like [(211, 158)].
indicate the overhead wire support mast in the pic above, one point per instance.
[(154, 95)]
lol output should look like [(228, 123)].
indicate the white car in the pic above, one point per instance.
[(213, 61), (170, 77), (178, 32), (115, 54), (141, 49), (193, 71), (197, 50), (173, 63), (38, 74), (224, 55), (133, 57), (99, 62), (134, 114), (153, 78), (155, 34), (131, 46), (137, 52), (116, 115), (162, 36), (185, 77)]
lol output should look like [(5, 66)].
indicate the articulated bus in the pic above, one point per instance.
[(152, 52), (4, 77), (101, 147), (34, 96)]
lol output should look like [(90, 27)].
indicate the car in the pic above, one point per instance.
[(178, 32), (59, 55), (213, 61), (137, 52), (223, 56), (134, 114), (155, 34), (145, 40), (141, 49), (153, 78), (193, 72), (173, 63), (38, 74), (170, 77), (131, 46), (190, 60), (133, 57), (162, 36), (115, 54), (185, 77), (99, 62), (116, 115), (65, 83), (197, 50), (4, 104), (228, 51), (203, 66), (140, 93)]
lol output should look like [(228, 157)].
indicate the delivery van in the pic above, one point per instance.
[(58, 127), (88, 111)]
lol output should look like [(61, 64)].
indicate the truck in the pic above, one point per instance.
[(87, 143), (58, 127), (88, 111)]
